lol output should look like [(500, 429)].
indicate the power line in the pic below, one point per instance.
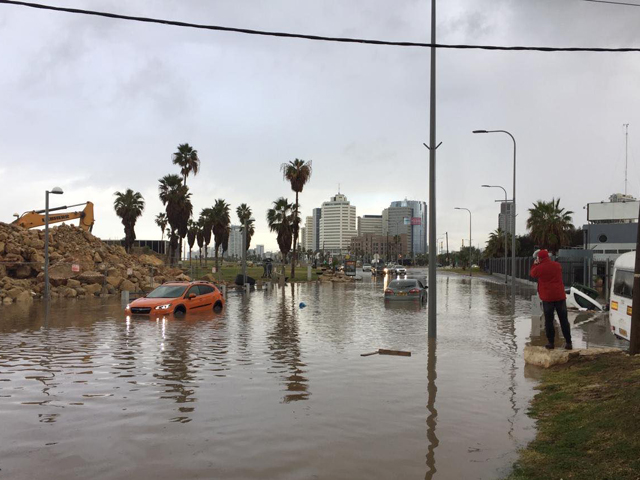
[(613, 3), (314, 37)]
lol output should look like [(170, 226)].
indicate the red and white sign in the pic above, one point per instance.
[(75, 267), (416, 221)]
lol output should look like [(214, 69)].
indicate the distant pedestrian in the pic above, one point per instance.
[(551, 292)]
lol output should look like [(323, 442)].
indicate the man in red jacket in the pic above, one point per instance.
[(551, 292)]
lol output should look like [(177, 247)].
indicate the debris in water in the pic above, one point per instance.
[(382, 351)]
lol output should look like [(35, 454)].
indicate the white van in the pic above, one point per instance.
[(622, 295)]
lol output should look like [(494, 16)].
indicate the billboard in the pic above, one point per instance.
[(416, 221), (612, 211), (406, 221)]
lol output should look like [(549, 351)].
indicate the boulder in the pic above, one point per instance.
[(14, 293), (97, 258), (150, 260), (93, 289), (24, 297), (115, 281), (544, 358), (69, 293), (23, 271), (7, 301), (129, 286), (73, 283), (91, 277)]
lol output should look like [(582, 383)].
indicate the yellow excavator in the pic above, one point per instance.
[(35, 218)]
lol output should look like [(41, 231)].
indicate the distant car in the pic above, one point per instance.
[(378, 269), (390, 269), (400, 270), (178, 298), (366, 267), (406, 289)]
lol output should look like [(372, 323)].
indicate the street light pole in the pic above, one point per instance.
[(470, 262), (505, 230), (513, 211), (55, 191)]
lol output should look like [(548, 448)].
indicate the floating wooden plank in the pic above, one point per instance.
[(394, 352), (368, 354)]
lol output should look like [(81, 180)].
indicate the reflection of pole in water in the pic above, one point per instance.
[(432, 389)]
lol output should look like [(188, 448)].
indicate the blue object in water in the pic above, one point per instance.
[(302, 305)]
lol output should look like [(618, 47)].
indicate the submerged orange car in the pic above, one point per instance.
[(178, 298)]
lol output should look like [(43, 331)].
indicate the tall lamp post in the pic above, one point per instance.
[(513, 210), (470, 262), (244, 250), (55, 191), (505, 230)]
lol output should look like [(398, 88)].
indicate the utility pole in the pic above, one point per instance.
[(626, 155), (634, 335), (448, 260), (433, 305)]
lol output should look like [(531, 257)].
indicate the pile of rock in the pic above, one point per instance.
[(339, 277), (80, 265)]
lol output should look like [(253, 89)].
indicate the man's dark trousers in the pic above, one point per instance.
[(560, 307)]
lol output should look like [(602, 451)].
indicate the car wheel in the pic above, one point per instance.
[(217, 307), (179, 312)]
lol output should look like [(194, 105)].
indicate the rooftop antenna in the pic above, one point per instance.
[(626, 155), (339, 190)]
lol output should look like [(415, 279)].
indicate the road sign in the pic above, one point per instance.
[(407, 221), (416, 221), (75, 267)]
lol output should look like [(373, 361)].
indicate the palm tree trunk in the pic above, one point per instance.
[(295, 242)]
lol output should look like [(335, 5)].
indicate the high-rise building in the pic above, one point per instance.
[(317, 216), (337, 224), (309, 234), (235, 242), (302, 240), (505, 217), (414, 222), (260, 251), (370, 224)]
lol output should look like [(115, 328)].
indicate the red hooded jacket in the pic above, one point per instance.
[(549, 275)]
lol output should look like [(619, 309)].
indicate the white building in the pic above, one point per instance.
[(370, 224), (302, 240), (309, 234), (260, 251), (337, 225), (235, 242)]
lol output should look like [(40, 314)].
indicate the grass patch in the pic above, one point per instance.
[(228, 272), (588, 414)]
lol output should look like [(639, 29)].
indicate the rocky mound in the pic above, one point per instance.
[(79, 265)]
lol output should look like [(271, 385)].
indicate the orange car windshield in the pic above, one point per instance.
[(167, 291)]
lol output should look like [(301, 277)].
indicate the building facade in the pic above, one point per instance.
[(317, 216), (337, 225), (386, 248), (260, 251), (235, 242), (309, 234), (417, 223), (370, 224), (613, 227)]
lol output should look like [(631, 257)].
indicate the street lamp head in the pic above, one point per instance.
[(57, 191), (485, 186), (457, 208), (480, 131)]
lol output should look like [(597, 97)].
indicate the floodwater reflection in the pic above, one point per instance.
[(229, 395)]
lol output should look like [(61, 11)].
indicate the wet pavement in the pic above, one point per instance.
[(268, 390)]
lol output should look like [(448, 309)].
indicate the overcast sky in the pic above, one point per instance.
[(96, 105)]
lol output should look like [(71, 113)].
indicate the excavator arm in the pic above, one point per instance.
[(36, 218)]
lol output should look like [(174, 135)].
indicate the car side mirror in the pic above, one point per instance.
[(192, 296)]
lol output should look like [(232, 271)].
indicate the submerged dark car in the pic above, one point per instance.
[(406, 289)]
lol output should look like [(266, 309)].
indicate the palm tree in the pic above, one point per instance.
[(187, 159), (129, 206), (280, 221), (550, 225), (298, 173), (220, 227), (177, 199), (192, 233), (161, 221), (200, 238), (206, 219), (244, 215)]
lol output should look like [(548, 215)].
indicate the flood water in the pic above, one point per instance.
[(268, 390)]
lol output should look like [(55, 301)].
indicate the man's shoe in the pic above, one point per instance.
[(568, 346), (549, 346)]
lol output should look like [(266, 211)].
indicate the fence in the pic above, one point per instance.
[(573, 271)]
